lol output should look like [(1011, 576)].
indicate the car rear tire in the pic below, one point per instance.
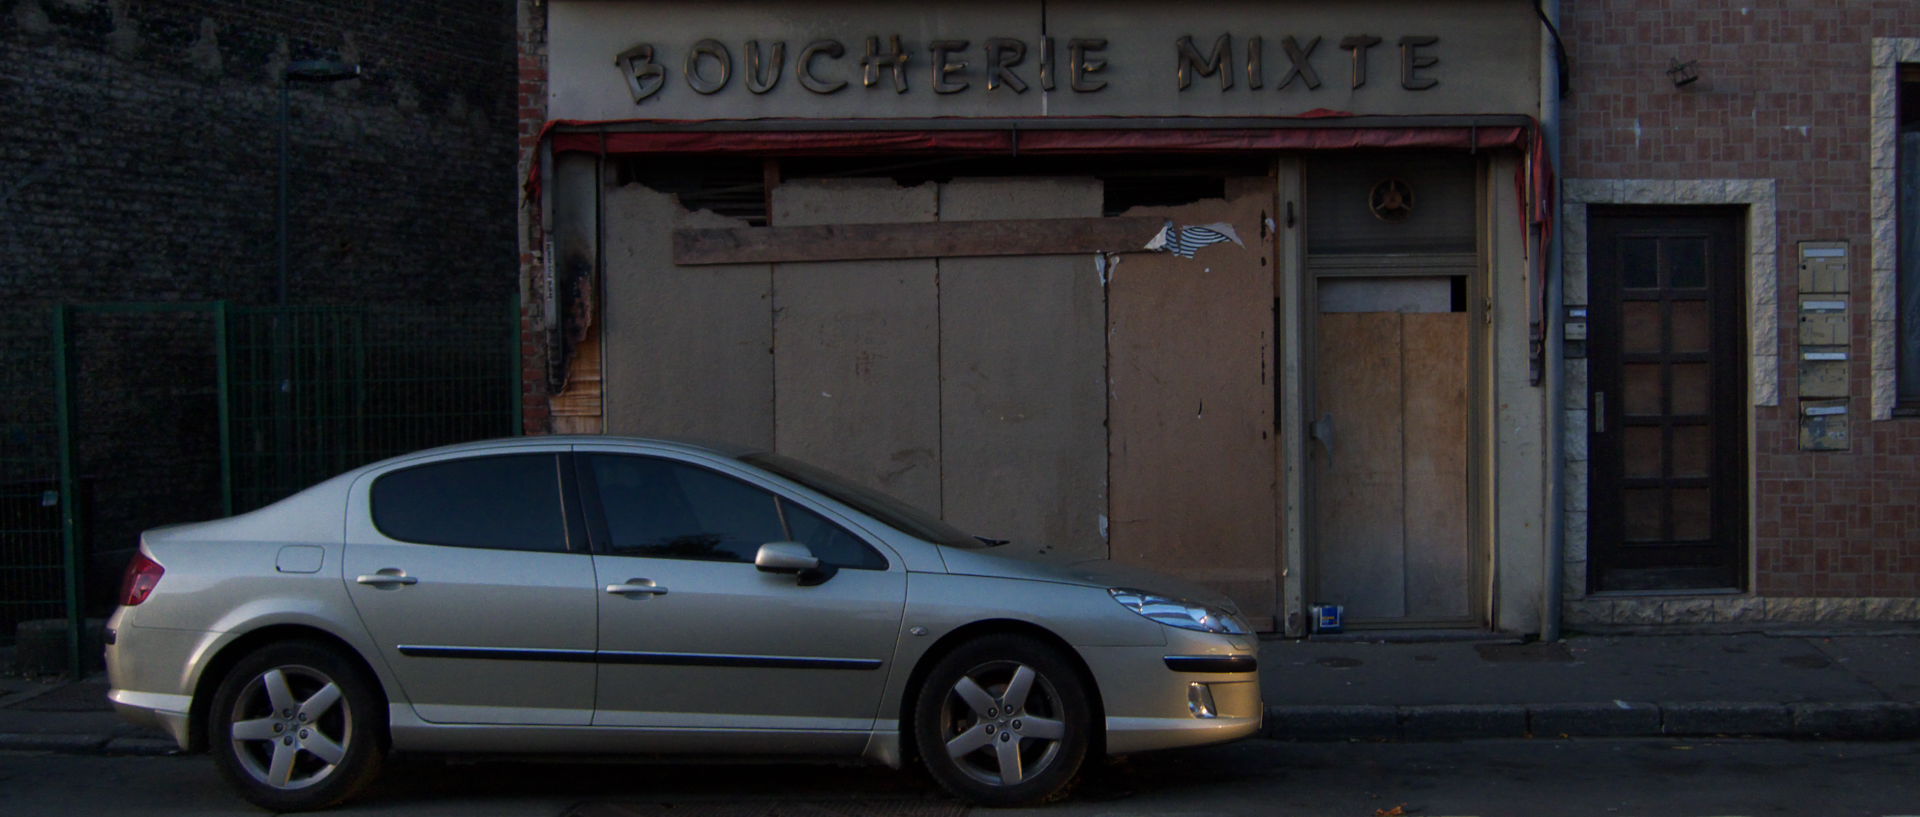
[(296, 726), (1004, 720)]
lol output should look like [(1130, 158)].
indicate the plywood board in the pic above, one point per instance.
[(1438, 561), (1359, 546), (1190, 396), (856, 345), (576, 410), (1023, 372), (685, 349), (992, 230)]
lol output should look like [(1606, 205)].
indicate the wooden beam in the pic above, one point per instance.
[(951, 239)]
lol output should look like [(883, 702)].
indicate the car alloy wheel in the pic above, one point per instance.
[(294, 727), (291, 727), (1001, 715), (1003, 721)]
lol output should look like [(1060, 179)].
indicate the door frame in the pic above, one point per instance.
[(1296, 295)]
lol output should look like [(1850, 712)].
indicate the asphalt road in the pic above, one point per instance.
[(1606, 778)]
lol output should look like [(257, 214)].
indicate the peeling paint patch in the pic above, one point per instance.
[(1103, 527)]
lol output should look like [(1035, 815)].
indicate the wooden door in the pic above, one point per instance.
[(1668, 431)]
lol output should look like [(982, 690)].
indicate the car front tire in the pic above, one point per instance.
[(1004, 720), (295, 727)]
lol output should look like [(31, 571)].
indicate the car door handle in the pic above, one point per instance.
[(387, 577), (637, 587)]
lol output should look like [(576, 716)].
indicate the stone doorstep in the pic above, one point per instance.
[(1863, 720)]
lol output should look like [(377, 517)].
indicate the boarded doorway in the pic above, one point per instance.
[(1392, 279)]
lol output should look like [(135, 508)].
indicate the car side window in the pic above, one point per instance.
[(830, 543), (664, 509), (508, 502)]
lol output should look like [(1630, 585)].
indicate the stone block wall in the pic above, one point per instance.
[(1784, 99)]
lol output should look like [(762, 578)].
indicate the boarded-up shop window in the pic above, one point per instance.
[(1128, 181), (728, 185)]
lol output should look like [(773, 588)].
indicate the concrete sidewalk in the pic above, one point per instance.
[(1830, 687), (1837, 687)]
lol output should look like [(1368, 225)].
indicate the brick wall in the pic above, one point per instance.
[(138, 162), (1783, 94), (140, 150), (531, 98)]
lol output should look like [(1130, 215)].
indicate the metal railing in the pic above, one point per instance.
[(125, 416)]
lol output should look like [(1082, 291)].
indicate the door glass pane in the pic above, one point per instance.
[(1639, 264), (1692, 450), (1640, 510), (831, 544), (1643, 389), (1640, 327), (1690, 388), (672, 510), (510, 502), (1692, 517), (1691, 329), (1686, 263), (1386, 294), (1398, 202), (1643, 451)]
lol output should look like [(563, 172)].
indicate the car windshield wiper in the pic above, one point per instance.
[(991, 542)]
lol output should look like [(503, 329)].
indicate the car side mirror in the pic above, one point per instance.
[(795, 558)]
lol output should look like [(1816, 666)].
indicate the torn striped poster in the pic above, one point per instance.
[(1185, 241)]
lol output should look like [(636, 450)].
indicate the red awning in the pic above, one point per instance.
[(623, 138)]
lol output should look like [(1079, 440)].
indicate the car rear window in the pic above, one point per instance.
[(509, 502)]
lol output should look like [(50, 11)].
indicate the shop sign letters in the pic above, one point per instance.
[(1081, 64)]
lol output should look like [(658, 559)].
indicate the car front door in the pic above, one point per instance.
[(462, 573), (692, 635)]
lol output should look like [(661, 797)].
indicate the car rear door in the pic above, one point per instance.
[(461, 570), (711, 641)]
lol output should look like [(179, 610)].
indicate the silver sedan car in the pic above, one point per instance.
[(612, 595)]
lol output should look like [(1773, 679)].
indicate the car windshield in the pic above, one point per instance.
[(900, 515)]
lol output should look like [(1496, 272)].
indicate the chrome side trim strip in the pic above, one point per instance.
[(1212, 663), (693, 659), (670, 659), (498, 653)]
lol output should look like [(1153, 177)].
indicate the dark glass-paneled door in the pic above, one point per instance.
[(1667, 497)]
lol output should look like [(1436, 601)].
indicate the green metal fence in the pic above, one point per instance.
[(33, 571), (318, 390), (137, 415)]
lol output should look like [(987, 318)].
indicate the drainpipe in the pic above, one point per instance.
[(1554, 570)]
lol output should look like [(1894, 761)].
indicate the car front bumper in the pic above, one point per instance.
[(1151, 705)]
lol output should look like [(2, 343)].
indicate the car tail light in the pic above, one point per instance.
[(143, 574)]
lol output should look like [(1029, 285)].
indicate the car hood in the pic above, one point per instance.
[(1088, 573)]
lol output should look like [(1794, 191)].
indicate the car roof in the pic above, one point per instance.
[(687, 445)]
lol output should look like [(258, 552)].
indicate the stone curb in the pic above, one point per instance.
[(86, 744), (19, 742), (1859, 720)]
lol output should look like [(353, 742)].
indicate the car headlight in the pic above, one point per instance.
[(1178, 612)]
